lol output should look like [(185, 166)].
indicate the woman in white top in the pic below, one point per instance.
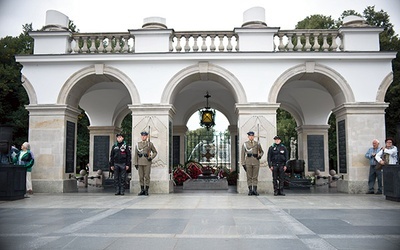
[(387, 154)]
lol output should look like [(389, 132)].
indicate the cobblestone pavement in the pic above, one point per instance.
[(200, 220)]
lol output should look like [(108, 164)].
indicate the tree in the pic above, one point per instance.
[(316, 22), (13, 96)]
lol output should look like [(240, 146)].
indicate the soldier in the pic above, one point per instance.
[(277, 158), (120, 161), (251, 155), (145, 153)]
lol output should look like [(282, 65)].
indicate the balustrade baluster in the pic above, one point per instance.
[(100, 49), (299, 45), (325, 45), (290, 45), (204, 45), (281, 46), (195, 46), (76, 48), (117, 47), (84, 47), (221, 46), (93, 44), (307, 45), (125, 48), (237, 43), (316, 46), (178, 44), (341, 46), (109, 44), (334, 44), (229, 46), (212, 46), (187, 46)]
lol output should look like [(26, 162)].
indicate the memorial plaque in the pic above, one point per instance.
[(70, 148), (342, 147), (315, 149), (101, 152), (176, 150)]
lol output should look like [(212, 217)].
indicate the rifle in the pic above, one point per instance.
[(149, 148), (258, 141)]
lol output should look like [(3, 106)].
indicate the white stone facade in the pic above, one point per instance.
[(155, 74)]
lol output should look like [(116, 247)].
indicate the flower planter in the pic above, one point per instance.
[(391, 182)]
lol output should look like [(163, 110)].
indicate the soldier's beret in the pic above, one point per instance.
[(144, 133), (250, 133)]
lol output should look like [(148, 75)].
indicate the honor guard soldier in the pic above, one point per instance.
[(145, 153), (277, 158), (120, 161), (251, 155)]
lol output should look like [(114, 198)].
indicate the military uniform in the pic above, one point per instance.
[(277, 158), (145, 152), (251, 155)]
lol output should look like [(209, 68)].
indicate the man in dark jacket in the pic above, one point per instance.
[(120, 161), (277, 157)]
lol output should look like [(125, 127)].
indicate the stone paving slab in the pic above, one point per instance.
[(200, 220)]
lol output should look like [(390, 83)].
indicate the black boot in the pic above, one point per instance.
[(141, 190), (275, 192), (117, 191), (281, 192), (250, 190), (146, 191), (255, 191)]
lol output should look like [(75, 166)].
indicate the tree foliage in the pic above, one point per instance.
[(13, 96)]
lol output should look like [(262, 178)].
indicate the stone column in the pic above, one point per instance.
[(159, 118), (357, 124), (260, 118), (311, 137), (52, 135), (181, 132)]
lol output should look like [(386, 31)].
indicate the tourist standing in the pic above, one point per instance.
[(25, 158), (388, 153), (373, 172), (120, 161)]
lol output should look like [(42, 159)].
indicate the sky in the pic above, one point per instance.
[(181, 15)]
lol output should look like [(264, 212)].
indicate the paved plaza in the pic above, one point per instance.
[(200, 220)]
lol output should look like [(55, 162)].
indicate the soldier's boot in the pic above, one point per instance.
[(146, 191), (255, 191), (275, 192), (141, 190), (250, 190), (281, 192), (117, 191)]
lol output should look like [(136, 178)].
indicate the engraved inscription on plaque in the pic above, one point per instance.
[(315, 149), (342, 147), (70, 148), (101, 152), (176, 149)]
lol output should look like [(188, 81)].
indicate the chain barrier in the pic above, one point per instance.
[(333, 179)]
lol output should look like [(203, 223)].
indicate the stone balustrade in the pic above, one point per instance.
[(308, 40), (209, 41), (101, 43)]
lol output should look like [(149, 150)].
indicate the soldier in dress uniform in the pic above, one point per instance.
[(145, 152), (277, 158), (251, 155)]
